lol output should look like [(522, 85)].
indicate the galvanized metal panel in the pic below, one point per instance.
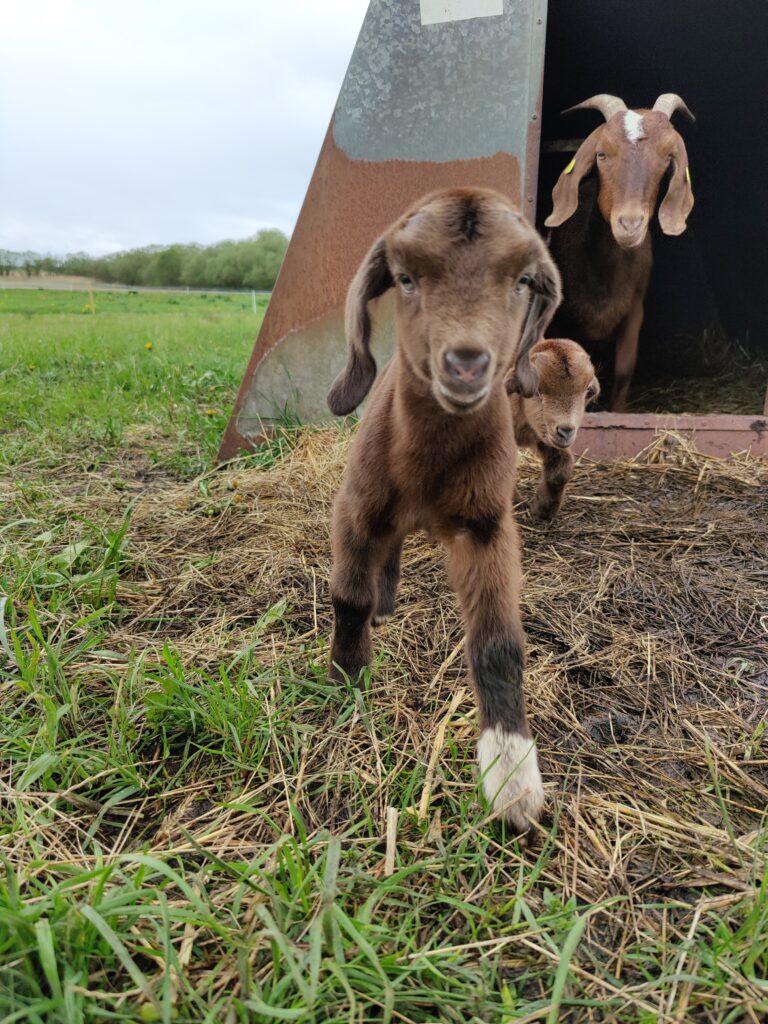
[(439, 92), (423, 106)]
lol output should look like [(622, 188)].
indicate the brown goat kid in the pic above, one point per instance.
[(475, 287), (601, 242), (549, 420)]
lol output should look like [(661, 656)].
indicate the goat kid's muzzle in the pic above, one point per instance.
[(465, 378), (563, 436)]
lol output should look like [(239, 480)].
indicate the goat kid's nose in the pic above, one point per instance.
[(565, 434), (631, 224), (466, 367)]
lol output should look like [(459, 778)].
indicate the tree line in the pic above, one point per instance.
[(251, 263)]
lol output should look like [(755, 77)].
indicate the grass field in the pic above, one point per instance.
[(72, 381), (195, 825)]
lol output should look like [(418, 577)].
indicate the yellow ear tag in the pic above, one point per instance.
[(570, 166), (688, 176)]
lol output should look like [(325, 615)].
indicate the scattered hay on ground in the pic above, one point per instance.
[(645, 606), (646, 611)]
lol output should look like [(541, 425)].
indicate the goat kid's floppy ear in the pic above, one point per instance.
[(511, 383), (546, 295), (678, 201), (565, 194), (354, 382)]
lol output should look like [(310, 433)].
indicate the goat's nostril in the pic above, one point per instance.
[(466, 367), (565, 434), (631, 224)]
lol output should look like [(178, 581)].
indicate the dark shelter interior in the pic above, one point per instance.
[(704, 344)]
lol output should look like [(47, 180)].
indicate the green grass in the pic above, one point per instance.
[(193, 818), (164, 362)]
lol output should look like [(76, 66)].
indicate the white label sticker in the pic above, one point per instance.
[(435, 11)]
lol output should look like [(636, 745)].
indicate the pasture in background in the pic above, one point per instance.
[(80, 368)]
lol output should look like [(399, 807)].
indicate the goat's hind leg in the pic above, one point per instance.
[(389, 578), (485, 571), (557, 469)]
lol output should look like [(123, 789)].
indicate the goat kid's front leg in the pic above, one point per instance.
[(625, 359), (557, 470), (484, 565), (389, 578), (358, 554)]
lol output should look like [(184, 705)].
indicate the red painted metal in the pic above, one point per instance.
[(609, 436), (347, 204)]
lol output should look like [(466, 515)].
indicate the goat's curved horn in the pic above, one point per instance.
[(607, 105), (669, 102)]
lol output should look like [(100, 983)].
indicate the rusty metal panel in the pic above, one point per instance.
[(608, 436), (438, 93)]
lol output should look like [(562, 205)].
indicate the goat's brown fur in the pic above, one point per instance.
[(549, 420), (600, 239), (435, 449)]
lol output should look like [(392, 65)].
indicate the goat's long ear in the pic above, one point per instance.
[(546, 295), (565, 194), (354, 382), (512, 383), (678, 202)]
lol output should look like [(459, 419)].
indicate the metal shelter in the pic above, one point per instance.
[(438, 93)]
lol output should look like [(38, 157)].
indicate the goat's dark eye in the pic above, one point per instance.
[(525, 281), (601, 155), (406, 283)]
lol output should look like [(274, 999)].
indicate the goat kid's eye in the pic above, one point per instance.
[(522, 283), (406, 283), (601, 156)]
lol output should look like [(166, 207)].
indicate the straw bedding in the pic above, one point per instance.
[(645, 606), (646, 611)]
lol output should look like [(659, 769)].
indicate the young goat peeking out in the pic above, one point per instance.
[(475, 288), (550, 419)]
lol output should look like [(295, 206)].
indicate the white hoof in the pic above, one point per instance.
[(510, 774)]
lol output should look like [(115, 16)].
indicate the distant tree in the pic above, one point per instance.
[(252, 263), (193, 272), (79, 264), (269, 251)]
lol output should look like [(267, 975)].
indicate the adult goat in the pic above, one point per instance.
[(600, 239)]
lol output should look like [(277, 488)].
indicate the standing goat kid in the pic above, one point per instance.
[(475, 287), (601, 244), (549, 420)]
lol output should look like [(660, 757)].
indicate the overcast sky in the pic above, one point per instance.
[(130, 122)]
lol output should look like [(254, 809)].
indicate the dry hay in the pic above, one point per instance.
[(709, 374), (645, 606), (646, 611)]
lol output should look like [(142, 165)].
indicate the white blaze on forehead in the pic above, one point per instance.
[(633, 126)]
